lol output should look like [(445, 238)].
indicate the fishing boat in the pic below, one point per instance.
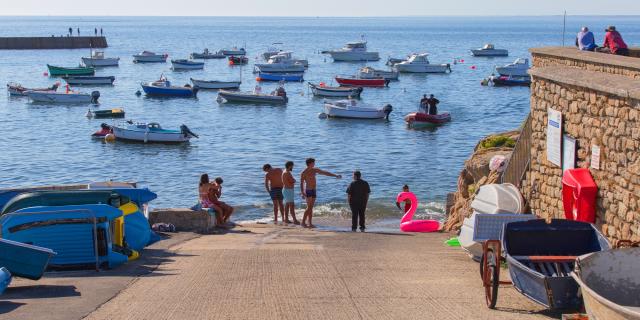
[(541, 256), (5, 279), (163, 87), (610, 284), (489, 50), (16, 89), (184, 64), (353, 51), (354, 109), (518, 68), (371, 73), (152, 132), (419, 63), (97, 59), (238, 60), (393, 61), (322, 90), (359, 82), (24, 260), (208, 55), (417, 120), (148, 56), (212, 84), (279, 96), (89, 80), (80, 234), (104, 114), (68, 97), (234, 51), (55, 71), (282, 62), (507, 81), (288, 77)]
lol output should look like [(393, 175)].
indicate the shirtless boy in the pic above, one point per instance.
[(308, 188), (273, 183), (289, 185), (215, 194)]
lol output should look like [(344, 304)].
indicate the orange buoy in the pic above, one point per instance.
[(258, 79), (230, 62)]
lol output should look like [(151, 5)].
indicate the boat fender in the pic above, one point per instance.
[(95, 95), (387, 110), (110, 137)]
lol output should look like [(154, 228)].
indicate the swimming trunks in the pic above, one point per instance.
[(276, 193), (288, 195), (310, 193)]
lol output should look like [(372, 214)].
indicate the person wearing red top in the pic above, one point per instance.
[(613, 41)]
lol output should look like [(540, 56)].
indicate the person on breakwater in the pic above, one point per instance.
[(308, 189), (204, 195), (70, 31), (101, 31), (215, 194), (273, 184), (613, 41), (288, 193), (585, 40), (78, 32), (95, 31), (358, 197)]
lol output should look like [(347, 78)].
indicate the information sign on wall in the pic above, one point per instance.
[(554, 137)]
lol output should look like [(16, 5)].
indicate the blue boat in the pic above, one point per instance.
[(24, 260), (541, 257), (5, 279), (81, 235), (163, 87), (290, 77)]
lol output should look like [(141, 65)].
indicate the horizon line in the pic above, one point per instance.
[(323, 16)]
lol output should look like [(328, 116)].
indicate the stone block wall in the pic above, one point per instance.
[(589, 61), (184, 219), (599, 107)]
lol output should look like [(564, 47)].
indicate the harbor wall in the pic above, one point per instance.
[(39, 43), (599, 99)]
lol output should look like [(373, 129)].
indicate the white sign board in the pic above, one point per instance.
[(595, 157), (568, 153), (554, 137)]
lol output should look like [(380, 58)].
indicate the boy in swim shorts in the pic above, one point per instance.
[(273, 184), (308, 188), (289, 184)]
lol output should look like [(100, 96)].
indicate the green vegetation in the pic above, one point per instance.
[(497, 141)]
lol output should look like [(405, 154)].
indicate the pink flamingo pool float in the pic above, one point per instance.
[(407, 224)]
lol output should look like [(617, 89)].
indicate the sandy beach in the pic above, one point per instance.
[(275, 272)]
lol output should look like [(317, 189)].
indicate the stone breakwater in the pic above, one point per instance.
[(39, 43)]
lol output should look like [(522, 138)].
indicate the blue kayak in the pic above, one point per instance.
[(291, 77)]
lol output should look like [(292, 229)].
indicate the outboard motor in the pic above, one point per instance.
[(387, 110), (94, 96), (55, 86), (185, 130)]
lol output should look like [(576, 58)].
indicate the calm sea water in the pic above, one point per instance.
[(51, 144)]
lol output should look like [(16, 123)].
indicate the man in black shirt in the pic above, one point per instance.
[(358, 196), (433, 105)]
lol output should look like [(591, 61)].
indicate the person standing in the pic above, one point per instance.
[(273, 184), (70, 31), (424, 104), (308, 189), (613, 41), (101, 31), (433, 105), (358, 197), (585, 40), (78, 32), (95, 32), (289, 184)]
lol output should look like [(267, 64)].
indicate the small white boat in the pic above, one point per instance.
[(89, 80), (16, 89), (354, 109), (184, 64), (97, 59), (148, 56), (489, 51), (353, 51), (371, 73), (518, 68), (343, 92), (208, 55), (235, 51), (69, 97), (419, 63), (610, 283), (280, 63), (212, 84), (151, 132), (279, 96)]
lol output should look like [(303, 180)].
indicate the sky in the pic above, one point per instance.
[(318, 7)]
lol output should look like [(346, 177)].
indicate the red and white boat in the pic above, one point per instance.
[(359, 82), (422, 120)]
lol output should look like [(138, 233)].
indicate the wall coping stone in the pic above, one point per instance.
[(617, 85), (588, 56)]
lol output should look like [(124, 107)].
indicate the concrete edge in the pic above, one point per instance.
[(573, 53), (597, 81)]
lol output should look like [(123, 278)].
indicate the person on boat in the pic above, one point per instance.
[(273, 184), (289, 184), (585, 40), (358, 197), (215, 194), (308, 189), (257, 90), (433, 105), (613, 41), (204, 192), (280, 92), (423, 103)]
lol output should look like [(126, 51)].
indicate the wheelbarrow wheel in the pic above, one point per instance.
[(491, 279)]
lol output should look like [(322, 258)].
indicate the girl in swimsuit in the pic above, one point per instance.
[(208, 199)]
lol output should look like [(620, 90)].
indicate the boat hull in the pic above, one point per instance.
[(207, 56), (335, 92), (202, 84), (185, 92), (353, 82), (354, 56), (148, 137), (430, 68), (53, 97), (388, 75), (280, 77), (251, 98), (490, 53), (82, 80), (279, 68), (421, 120), (515, 72), (61, 71), (187, 66), (24, 260), (334, 111), (150, 59), (234, 52), (106, 62)]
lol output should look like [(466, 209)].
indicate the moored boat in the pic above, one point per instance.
[(97, 59), (359, 82), (353, 51), (489, 50), (151, 132), (109, 113), (518, 68), (89, 80), (508, 81), (148, 56), (16, 89), (24, 260), (371, 73), (234, 51), (354, 109), (416, 120), (55, 71), (207, 55), (419, 63), (163, 87), (288, 77), (238, 60), (70, 97), (212, 84), (282, 62), (184, 64), (279, 96), (343, 92), (274, 49)]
